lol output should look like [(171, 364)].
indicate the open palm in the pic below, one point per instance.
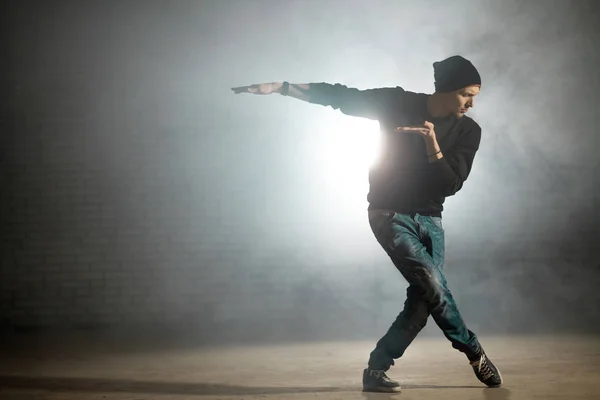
[(259, 88)]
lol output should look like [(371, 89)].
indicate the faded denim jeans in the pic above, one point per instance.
[(415, 244)]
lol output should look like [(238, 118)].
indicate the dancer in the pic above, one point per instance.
[(427, 152)]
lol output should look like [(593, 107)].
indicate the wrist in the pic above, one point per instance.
[(276, 88), (432, 148), (282, 88), (431, 144), (430, 138)]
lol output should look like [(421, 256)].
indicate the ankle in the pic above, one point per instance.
[(475, 356)]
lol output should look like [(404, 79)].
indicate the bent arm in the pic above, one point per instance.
[(449, 171)]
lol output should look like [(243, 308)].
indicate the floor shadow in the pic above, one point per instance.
[(438, 387), (62, 384), (68, 384), (496, 394), (380, 396), (486, 394)]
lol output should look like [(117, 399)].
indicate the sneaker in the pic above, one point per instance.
[(486, 371), (377, 381)]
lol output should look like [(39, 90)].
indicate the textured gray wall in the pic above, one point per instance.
[(137, 190)]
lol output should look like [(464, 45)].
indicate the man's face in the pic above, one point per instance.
[(459, 101)]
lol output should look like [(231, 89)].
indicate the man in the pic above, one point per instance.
[(428, 146)]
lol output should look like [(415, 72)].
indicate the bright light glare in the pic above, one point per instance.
[(348, 148)]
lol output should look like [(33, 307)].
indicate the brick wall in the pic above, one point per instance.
[(110, 227), (128, 198), (104, 225)]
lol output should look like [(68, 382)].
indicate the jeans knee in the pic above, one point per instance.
[(414, 316), (419, 323), (433, 291), (435, 298), (413, 321)]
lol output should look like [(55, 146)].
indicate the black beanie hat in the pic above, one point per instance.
[(454, 73)]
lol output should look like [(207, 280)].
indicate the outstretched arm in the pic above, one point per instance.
[(369, 103)]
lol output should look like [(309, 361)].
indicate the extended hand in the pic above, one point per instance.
[(426, 130), (259, 88)]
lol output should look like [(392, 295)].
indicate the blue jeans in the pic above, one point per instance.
[(415, 243)]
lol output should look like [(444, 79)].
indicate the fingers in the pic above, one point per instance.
[(253, 89), (413, 129), (409, 128), (240, 89), (426, 125)]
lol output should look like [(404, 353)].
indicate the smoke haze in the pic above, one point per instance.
[(137, 189)]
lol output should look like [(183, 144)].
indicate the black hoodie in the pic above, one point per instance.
[(402, 180)]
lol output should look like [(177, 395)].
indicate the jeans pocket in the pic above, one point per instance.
[(381, 215), (381, 225)]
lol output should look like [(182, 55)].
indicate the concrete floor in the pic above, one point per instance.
[(93, 368)]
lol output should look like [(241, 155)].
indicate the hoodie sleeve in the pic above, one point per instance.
[(449, 173), (368, 103)]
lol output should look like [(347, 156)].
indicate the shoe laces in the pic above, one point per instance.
[(483, 368), (380, 374)]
